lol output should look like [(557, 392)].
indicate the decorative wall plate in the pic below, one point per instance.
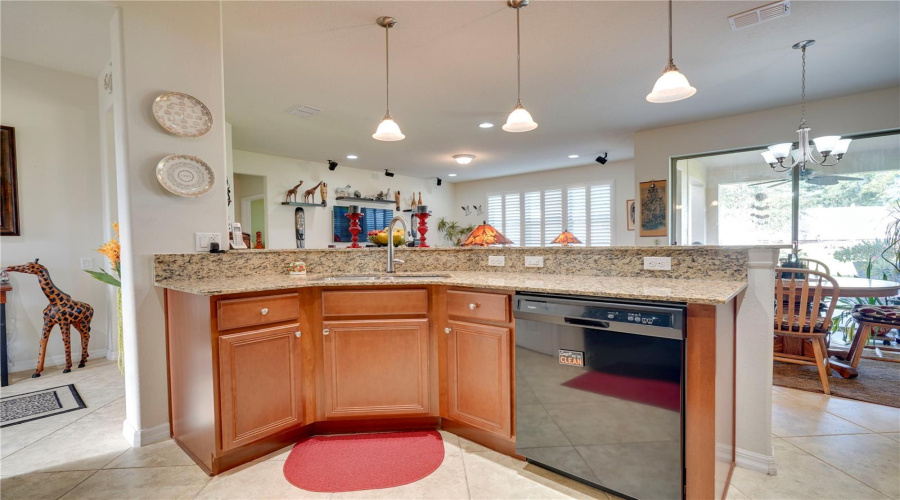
[(185, 175), (182, 114)]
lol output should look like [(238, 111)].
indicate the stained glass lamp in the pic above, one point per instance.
[(486, 235), (566, 238)]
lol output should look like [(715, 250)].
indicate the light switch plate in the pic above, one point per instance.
[(534, 261), (202, 241), (658, 263), (496, 260), (86, 263)]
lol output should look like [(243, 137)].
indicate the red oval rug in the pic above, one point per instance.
[(363, 461)]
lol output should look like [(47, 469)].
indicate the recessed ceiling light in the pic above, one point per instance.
[(486, 125), (464, 159), (573, 156), (451, 175), (352, 157)]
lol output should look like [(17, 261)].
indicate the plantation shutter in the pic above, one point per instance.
[(512, 220), (533, 219), (576, 213), (553, 214), (601, 215), (495, 211)]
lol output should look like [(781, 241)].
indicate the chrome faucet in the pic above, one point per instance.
[(390, 256)]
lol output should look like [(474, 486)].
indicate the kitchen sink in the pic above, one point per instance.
[(382, 277)]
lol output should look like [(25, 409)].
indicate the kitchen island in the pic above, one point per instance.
[(260, 360)]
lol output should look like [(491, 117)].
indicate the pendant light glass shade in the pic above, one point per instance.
[(670, 87), (388, 130), (519, 120)]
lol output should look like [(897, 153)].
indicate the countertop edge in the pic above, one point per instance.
[(303, 282)]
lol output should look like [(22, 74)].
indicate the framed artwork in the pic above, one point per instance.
[(654, 208), (630, 215), (9, 193)]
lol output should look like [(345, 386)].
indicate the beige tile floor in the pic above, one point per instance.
[(826, 447)]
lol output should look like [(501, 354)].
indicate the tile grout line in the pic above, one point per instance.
[(835, 468), (462, 458)]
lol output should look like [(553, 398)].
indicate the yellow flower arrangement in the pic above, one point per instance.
[(113, 251)]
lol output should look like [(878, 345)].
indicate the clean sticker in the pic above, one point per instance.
[(571, 358)]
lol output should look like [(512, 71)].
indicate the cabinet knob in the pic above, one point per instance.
[(325, 331), (448, 330), (298, 334), (264, 311), (472, 306)]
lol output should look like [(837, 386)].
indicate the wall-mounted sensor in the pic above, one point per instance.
[(388, 173), (602, 159), (332, 165)]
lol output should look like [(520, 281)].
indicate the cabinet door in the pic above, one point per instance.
[(259, 384), (376, 368), (478, 376)]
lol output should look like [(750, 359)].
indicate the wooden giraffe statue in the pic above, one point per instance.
[(62, 311), (292, 193), (309, 196)]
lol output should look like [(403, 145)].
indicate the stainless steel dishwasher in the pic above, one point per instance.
[(599, 391)]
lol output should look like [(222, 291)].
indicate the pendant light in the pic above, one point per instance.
[(672, 85), (388, 130), (520, 119)]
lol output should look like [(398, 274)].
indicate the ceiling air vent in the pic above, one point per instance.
[(303, 111), (760, 15)]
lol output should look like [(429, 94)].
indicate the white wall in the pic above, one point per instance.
[(56, 118), (244, 186), (283, 173), (868, 112), (621, 173), (168, 46)]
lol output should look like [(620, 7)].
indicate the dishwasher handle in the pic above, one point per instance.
[(588, 323)]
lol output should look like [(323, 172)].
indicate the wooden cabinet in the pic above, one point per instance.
[(259, 384), (376, 368), (257, 311), (478, 376)]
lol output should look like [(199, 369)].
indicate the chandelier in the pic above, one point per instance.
[(829, 146)]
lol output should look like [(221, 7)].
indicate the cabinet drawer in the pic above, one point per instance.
[(478, 305), (253, 311), (374, 302)]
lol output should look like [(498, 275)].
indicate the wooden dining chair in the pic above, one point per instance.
[(798, 294)]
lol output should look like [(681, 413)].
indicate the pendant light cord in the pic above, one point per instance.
[(518, 60), (387, 66), (671, 61)]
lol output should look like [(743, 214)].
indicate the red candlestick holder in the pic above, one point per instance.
[(423, 228), (354, 228)]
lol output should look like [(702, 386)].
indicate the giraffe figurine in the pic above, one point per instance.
[(309, 196), (292, 193), (63, 311)]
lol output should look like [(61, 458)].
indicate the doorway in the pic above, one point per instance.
[(249, 190)]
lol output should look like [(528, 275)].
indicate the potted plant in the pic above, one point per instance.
[(454, 233)]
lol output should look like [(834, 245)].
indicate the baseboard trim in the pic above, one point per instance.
[(59, 359), (750, 460), (111, 354), (137, 438)]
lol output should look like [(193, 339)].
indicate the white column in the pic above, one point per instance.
[(753, 415)]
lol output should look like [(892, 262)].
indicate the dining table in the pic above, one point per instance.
[(848, 287)]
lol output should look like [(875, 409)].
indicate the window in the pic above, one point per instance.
[(535, 218)]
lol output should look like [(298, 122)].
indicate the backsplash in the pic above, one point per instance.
[(715, 263)]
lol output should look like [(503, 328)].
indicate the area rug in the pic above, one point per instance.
[(363, 461), (878, 381), (45, 403)]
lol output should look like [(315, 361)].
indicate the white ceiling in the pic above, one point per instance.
[(68, 36), (587, 67)]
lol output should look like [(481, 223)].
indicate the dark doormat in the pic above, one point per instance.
[(878, 381), (30, 406)]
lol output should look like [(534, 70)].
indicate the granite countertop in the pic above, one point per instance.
[(658, 289)]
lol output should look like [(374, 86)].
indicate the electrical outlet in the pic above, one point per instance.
[(496, 260), (202, 241), (87, 263), (534, 261), (658, 263)]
